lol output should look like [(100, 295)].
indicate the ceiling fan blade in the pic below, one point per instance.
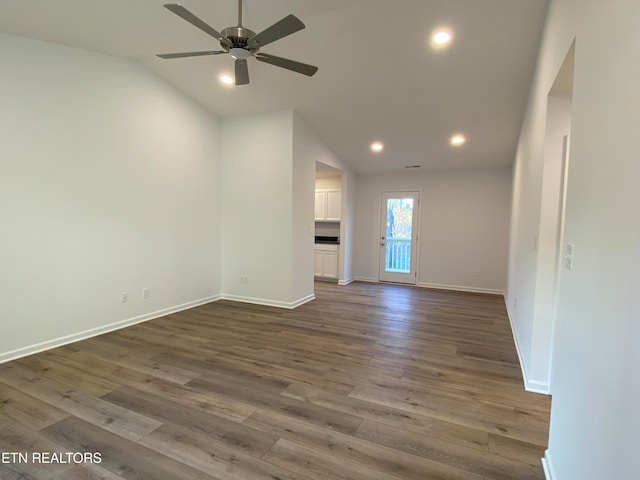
[(242, 72), (196, 22), (292, 65), (288, 25), (189, 54)]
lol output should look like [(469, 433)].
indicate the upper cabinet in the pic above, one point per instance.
[(321, 205), (328, 205), (334, 205)]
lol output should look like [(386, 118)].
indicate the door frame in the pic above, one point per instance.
[(560, 248), (403, 278)]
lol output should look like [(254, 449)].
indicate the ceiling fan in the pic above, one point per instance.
[(241, 43)]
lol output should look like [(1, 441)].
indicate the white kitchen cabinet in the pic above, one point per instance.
[(328, 205), (334, 205), (326, 261), (317, 270), (321, 205), (330, 264)]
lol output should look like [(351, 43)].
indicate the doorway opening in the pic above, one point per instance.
[(328, 225), (552, 209)]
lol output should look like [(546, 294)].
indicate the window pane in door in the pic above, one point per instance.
[(399, 234)]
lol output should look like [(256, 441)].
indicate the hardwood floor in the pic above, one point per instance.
[(367, 382)]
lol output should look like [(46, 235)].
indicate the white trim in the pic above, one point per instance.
[(547, 466), (269, 303), (303, 300), (365, 279), (346, 282), (523, 367), (460, 288), (76, 337), (437, 286), (533, 386)]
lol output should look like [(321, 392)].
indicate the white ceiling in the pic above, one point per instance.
[(378, 77)]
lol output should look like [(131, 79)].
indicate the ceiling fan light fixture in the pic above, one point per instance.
[(226, 79), (239, 53), (241, 43)]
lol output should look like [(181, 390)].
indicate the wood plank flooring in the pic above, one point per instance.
[(368, 381)]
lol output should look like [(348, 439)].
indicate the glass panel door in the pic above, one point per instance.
[(398, 236)]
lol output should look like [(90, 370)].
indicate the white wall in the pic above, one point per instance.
[(464, 226), (257, 207), (304, 171), (112, 181), (329, 182), (108, 184), (347, 228), (594, 430)]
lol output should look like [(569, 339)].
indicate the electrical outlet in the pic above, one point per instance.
[(145, 293), (244, 279), (124, 298)]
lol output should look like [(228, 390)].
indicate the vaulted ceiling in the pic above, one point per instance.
[(379, 77)]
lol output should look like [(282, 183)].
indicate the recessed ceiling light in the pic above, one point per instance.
[(458, 140), (226, 79), (377, 147), (441, 38)]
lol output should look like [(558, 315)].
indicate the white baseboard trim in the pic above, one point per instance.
[(93, 332), (365, 279), (461, 288), (547, 466), (303, 300), (457, 288), (346, 282), (268, 303), (533, 386)]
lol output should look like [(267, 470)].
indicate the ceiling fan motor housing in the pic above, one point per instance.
[(239, 37)]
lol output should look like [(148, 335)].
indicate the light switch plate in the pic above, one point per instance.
[(568, 256)]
